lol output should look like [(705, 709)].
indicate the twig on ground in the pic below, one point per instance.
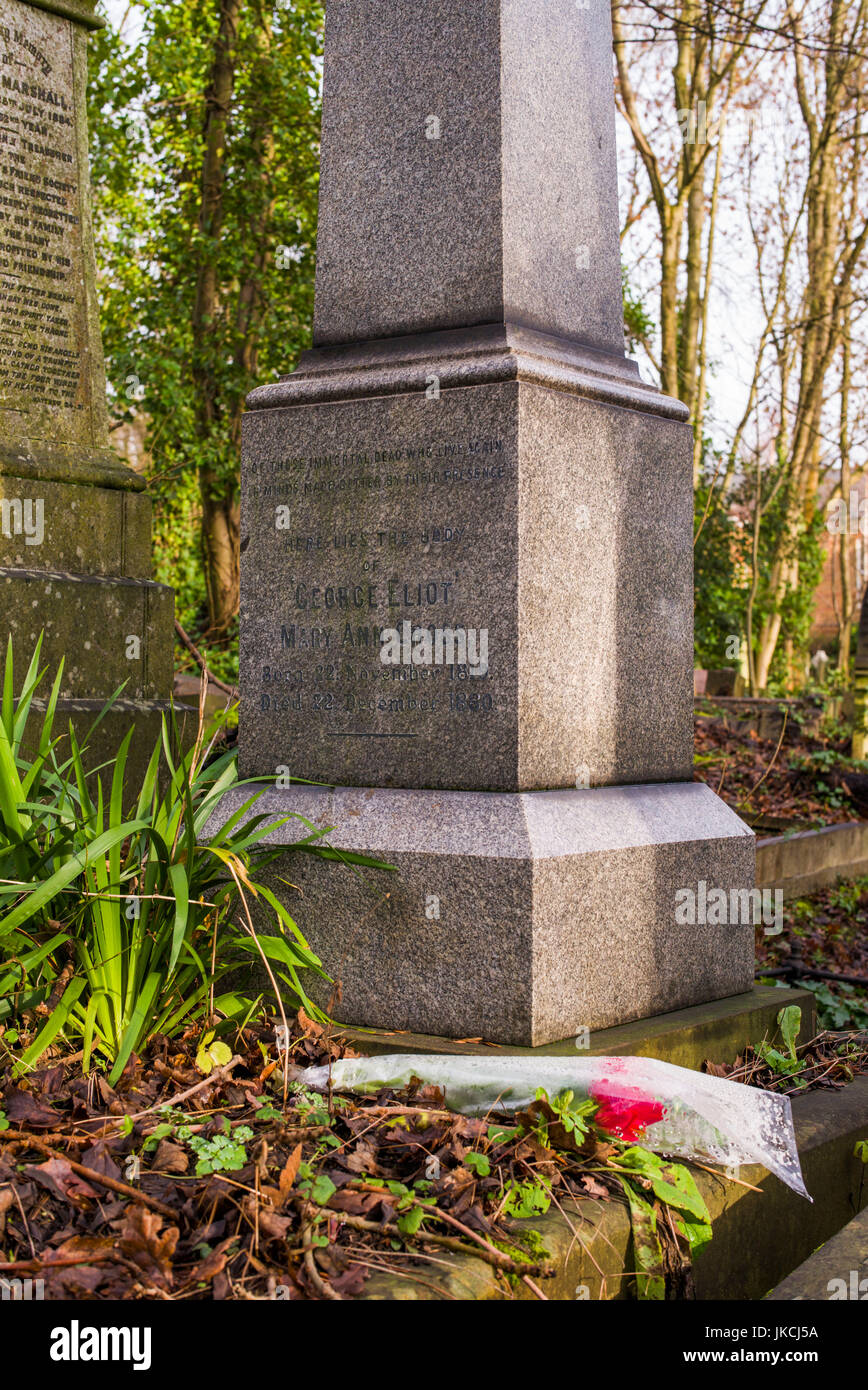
[(90, 1174), (203, 664)]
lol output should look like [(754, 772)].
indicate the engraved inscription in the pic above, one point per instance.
[(384, 622), (41, 265)]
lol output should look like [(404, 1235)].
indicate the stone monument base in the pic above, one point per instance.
[(520, 918), (715, 1032)]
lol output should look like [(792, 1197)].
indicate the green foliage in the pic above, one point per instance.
[(147, 107), (575, 1119), (789, 1021), (528, 1199), (313, 1107), (818, 765), (674, 1186), (720, 601), (122, 911), (478, 1163), (212, 1053), (317, 1187), (502, 1134), (165, 1130), (409, 1221), (723, 569), (638, 324), (838, 1008), (223, 1153), (639, 1172), (797, 610)]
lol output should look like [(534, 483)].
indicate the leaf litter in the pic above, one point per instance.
[(239, 1185)]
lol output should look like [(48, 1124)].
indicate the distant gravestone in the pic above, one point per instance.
[(467, 568), (75, 523)]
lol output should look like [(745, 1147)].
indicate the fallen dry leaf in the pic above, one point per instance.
[(56, 1175), (170, 1158), (289, 1173), (144, 1243)]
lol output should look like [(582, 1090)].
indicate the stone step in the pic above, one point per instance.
[(715, 1032), (809, 860), (84, 530), (109, 630), (146, 718), (838, 1270)]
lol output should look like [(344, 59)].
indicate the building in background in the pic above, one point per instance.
[(853, 535)]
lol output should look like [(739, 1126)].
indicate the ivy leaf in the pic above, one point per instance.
[(526, 1200), (322, 1190), (497, 1134), (478, 1163), (410, 1221)]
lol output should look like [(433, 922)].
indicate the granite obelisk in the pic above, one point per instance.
[(467, 569), (75, 523)]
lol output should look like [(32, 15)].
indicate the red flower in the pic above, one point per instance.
[(625, 1111)]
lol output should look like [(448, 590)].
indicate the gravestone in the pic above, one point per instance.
[(467, 555), (75, 523)]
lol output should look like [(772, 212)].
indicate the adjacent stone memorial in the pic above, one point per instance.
[(75, 523), (467, 554)]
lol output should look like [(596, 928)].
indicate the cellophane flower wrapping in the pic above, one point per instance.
[(668, 1109)]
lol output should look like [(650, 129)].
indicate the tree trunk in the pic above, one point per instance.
[(221, 526), (218, 488), (844, 540)]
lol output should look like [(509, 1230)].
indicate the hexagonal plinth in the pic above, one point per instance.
[(520, 918)]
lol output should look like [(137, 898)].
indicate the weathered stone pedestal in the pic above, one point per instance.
[(75, 524), (518, 917), (467, 459)]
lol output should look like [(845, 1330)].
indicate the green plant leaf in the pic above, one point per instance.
[(54, 1025), (479, 1163), (212, 1054), (135, 1028), (790, 1023), (322, 1190), (650, 1280), (527, 1199), (410, 1221)]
